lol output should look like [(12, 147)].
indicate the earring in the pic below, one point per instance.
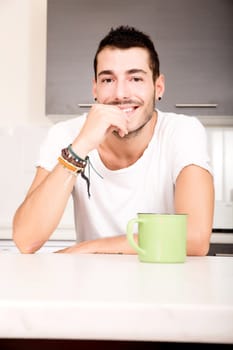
[(95, 99), (159, 98)]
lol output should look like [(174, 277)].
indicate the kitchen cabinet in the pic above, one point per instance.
[(194, 40), (221, 249)]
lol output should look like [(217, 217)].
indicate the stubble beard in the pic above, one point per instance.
[(134, 133)]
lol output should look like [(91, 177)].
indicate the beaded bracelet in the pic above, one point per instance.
[(75, 164), (72, 162), (76, 157), (69, 158)]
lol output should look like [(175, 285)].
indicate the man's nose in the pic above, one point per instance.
[(122, 90)]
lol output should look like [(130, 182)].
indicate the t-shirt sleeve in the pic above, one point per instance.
[(189, 146), (51, 147)]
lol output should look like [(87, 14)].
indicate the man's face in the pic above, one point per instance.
[(125, 79)]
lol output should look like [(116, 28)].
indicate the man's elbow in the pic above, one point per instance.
[(200, 246), (202, 249), (24, 246)]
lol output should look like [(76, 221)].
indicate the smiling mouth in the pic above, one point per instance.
[(129, 110), (128, 107)]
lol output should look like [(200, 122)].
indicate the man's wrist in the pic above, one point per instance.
[(80, 148)]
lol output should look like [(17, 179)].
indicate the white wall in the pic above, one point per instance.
[(23, 122), (23, 58)]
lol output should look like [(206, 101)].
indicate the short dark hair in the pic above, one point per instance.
[(125, 37)]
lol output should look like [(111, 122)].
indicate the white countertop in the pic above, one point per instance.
[(115, 297)]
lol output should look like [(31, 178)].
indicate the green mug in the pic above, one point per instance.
[(161, 237)]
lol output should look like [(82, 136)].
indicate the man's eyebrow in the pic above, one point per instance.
[(105, 72), (136, 70), (130, 71)]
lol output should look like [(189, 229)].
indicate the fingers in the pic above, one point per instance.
[(120, 132), (101, 121), (111, 117)]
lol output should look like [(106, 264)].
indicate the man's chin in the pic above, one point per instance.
[(135, 132), (131, 133)]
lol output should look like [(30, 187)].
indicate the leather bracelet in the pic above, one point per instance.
[(71, 167), (76, 157), (69, 158), (75, 164)]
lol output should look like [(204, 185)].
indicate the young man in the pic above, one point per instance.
[(142, 160)]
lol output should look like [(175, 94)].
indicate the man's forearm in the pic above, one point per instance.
[(42, 209), (108, 245)]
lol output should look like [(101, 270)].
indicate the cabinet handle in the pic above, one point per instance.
[(178, 105), (224, 254), (196, 105), (85, 105)]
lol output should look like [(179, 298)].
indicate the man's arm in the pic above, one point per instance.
[(40, 213), (107, 245), (194, 195)]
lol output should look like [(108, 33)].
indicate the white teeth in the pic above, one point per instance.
[(127, 110)]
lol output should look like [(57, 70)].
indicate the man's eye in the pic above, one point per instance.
[(136, 79), (107, 80)]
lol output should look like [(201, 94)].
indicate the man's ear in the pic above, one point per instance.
[(159, 87)]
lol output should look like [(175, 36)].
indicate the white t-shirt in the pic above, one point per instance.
[(145, 186)]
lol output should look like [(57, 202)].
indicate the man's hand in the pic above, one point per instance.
[(108, 245), (101, 121)]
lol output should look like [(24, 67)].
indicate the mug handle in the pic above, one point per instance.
[(130, 236)]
